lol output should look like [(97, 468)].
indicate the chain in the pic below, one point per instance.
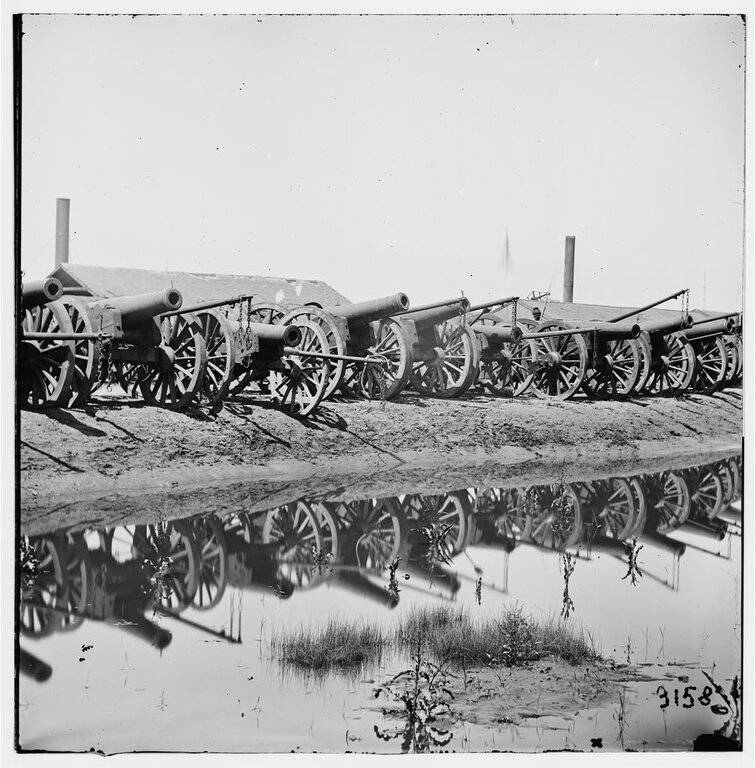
[(513, 313), (248, 329), (685, 302), (105, 376)]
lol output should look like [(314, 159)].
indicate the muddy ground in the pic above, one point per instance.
[(115, 460)]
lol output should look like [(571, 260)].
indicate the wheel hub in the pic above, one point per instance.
[(553, 359)]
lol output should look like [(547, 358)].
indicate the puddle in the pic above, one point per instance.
[(163, 637)]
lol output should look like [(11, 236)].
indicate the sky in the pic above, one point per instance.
[(427, 154)]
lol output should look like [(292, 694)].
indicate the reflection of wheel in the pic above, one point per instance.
[(613, 506), (557, 515), (294, 529), (723, 470), (736, 475), (640, 507), (451, 512), (706, 492), (43, 587), (169, 557), (377, 530), (240, 525), (213, 562), (74, 553), (501, 512), (329, 532), (668, 500)]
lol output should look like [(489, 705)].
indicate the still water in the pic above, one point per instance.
[(159, 637)]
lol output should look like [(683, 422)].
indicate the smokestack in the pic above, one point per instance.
[(62, 215), (569, 270)]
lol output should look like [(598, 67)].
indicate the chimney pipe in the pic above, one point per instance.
[(62, 215), (569, 270)]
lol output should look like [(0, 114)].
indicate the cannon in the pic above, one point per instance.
[(293, 362), (712, 358), (355, 332), (602, 359), (445, 350), (506, 359), (45, 365), (667, 363), (142, 343)]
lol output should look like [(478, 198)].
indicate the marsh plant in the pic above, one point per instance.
[(568, 562), (423, 695), (634, 574)]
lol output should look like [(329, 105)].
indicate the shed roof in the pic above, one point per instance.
[(196, 287)]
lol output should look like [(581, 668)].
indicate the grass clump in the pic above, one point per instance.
[(339, 644), (509, 639)]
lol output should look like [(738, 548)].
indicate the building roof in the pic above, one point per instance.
[(583, 313), (106, 282)]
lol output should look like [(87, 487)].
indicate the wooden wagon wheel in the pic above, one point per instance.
[(616, 372), (706, 492), (673, 367), (646, 362), (86, 351), (561, 362), (613, 504), (668, 500), (213, 562), (300, 382), (43, 587), (268, 313), (711, 364), (453, 366), (732, 357), (335, 341), (390, 344), (45, 367), (556, 515), (740, 360), (451, 513), (74, 554), (219, 339), (378, 531), (175, 379), (640, 506), (510, 373)]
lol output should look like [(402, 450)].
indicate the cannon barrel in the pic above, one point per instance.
[(714, 530), (140, 308), (656, 540), (496, 303), (30, 665), (362, 586), (38, 292), (136, 623), (710, 328), (498, 334), (615, 331), (375, 309), (425, 318), (670, 325), (652, 304), (287, 335)]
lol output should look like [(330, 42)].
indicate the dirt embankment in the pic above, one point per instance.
[(113, 458)]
